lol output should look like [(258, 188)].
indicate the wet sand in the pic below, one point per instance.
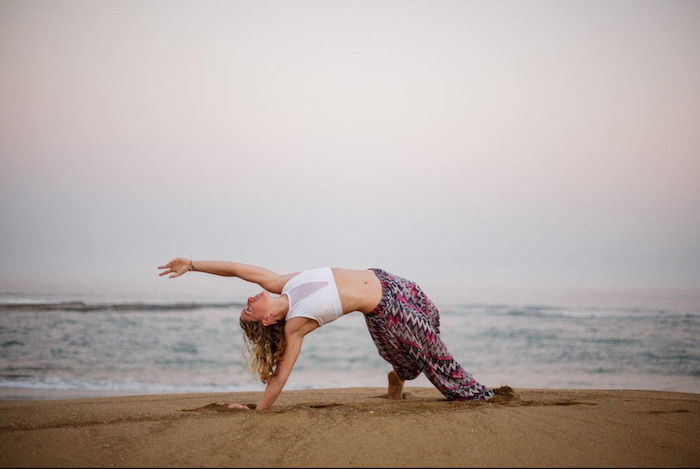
[(357, 427)]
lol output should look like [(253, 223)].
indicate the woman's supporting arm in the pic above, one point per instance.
[(284, 370)]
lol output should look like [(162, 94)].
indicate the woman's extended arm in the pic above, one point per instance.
[(249, 273), (266, 278)]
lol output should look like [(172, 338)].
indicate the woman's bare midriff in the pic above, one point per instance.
[(360, 290)]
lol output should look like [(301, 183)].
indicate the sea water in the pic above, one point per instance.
[(78, 345)]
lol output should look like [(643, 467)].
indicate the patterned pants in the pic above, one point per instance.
[(405, 327)]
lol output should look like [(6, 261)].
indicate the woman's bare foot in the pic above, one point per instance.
[(395, 387)]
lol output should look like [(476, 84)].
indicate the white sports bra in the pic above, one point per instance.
[(313, 294)]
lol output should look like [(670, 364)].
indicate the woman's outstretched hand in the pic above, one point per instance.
[(176, 267)]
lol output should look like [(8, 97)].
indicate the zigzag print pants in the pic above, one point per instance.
[(405, 327)]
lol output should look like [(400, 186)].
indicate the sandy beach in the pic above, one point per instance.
[(357, 427)]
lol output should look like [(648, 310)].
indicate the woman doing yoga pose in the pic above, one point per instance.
[(403, 322)]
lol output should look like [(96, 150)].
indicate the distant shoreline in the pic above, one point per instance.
[(357, 427), (8, 394)]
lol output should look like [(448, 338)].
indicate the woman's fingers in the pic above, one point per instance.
[(238, 407), (172, 269), (169, 265)]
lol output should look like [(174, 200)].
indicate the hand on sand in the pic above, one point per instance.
[(176, 267), (238, 407)]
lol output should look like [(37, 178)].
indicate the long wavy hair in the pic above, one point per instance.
[(265, 346)]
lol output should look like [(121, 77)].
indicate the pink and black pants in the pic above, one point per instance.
[(405, 327)]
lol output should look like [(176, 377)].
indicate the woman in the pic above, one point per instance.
[(402, 320)]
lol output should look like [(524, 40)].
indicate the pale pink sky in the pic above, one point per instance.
[(499, 144)]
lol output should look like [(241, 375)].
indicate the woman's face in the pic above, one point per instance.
[(257, 307)]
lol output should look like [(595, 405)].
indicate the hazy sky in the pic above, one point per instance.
[(496, 144)]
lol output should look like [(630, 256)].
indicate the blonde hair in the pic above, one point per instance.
[(266, 347)]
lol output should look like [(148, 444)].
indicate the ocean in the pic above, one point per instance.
[(77, 345)]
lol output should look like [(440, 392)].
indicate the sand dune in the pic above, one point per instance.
[(357, 427)]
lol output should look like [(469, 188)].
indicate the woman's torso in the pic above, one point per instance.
[(359, 290)]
